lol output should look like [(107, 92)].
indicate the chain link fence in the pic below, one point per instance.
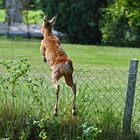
[(136, 111), (99, 92)]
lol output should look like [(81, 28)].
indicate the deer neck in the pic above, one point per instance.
[(47, 32)]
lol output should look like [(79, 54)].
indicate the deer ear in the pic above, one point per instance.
[(45, 19), (53, 20)]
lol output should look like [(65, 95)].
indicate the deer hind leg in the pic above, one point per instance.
[(57, 87), (56, 98), (69, 82)]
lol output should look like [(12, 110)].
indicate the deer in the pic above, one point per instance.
[(61, 65)]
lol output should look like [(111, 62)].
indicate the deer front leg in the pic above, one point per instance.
[(43, 50), (45, 60)]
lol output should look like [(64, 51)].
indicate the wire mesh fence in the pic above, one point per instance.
[(99, 92), (136, 112)]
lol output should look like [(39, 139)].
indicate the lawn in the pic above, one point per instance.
[(84, 56), (101, 78)]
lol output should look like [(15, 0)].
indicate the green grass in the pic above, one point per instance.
[(83, 56), (2, 15), (34, 17)]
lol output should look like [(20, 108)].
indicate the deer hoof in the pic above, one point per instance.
[(74, 112), (55, 114), (45, 61)]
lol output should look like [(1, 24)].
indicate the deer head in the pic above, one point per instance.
[(48, 24)]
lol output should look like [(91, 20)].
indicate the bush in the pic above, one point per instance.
[(78, 19), (120, 24)]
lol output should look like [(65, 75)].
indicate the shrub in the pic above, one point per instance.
[(78, 19), (120, 25)]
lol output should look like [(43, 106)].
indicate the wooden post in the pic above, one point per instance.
[(130, 97)]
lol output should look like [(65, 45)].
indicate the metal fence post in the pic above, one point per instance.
[(130, 97)]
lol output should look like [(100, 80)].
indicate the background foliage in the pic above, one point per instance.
[(79, 19), (110, 22), (121, 23)]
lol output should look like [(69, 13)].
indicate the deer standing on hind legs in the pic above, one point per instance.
[(58, 60)]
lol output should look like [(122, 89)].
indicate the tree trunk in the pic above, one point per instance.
[(14, 11)]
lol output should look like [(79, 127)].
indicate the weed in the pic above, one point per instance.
[(90, 132)]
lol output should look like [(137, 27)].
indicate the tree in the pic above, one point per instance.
[(79, 19), (121, 23), (14, 10)]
